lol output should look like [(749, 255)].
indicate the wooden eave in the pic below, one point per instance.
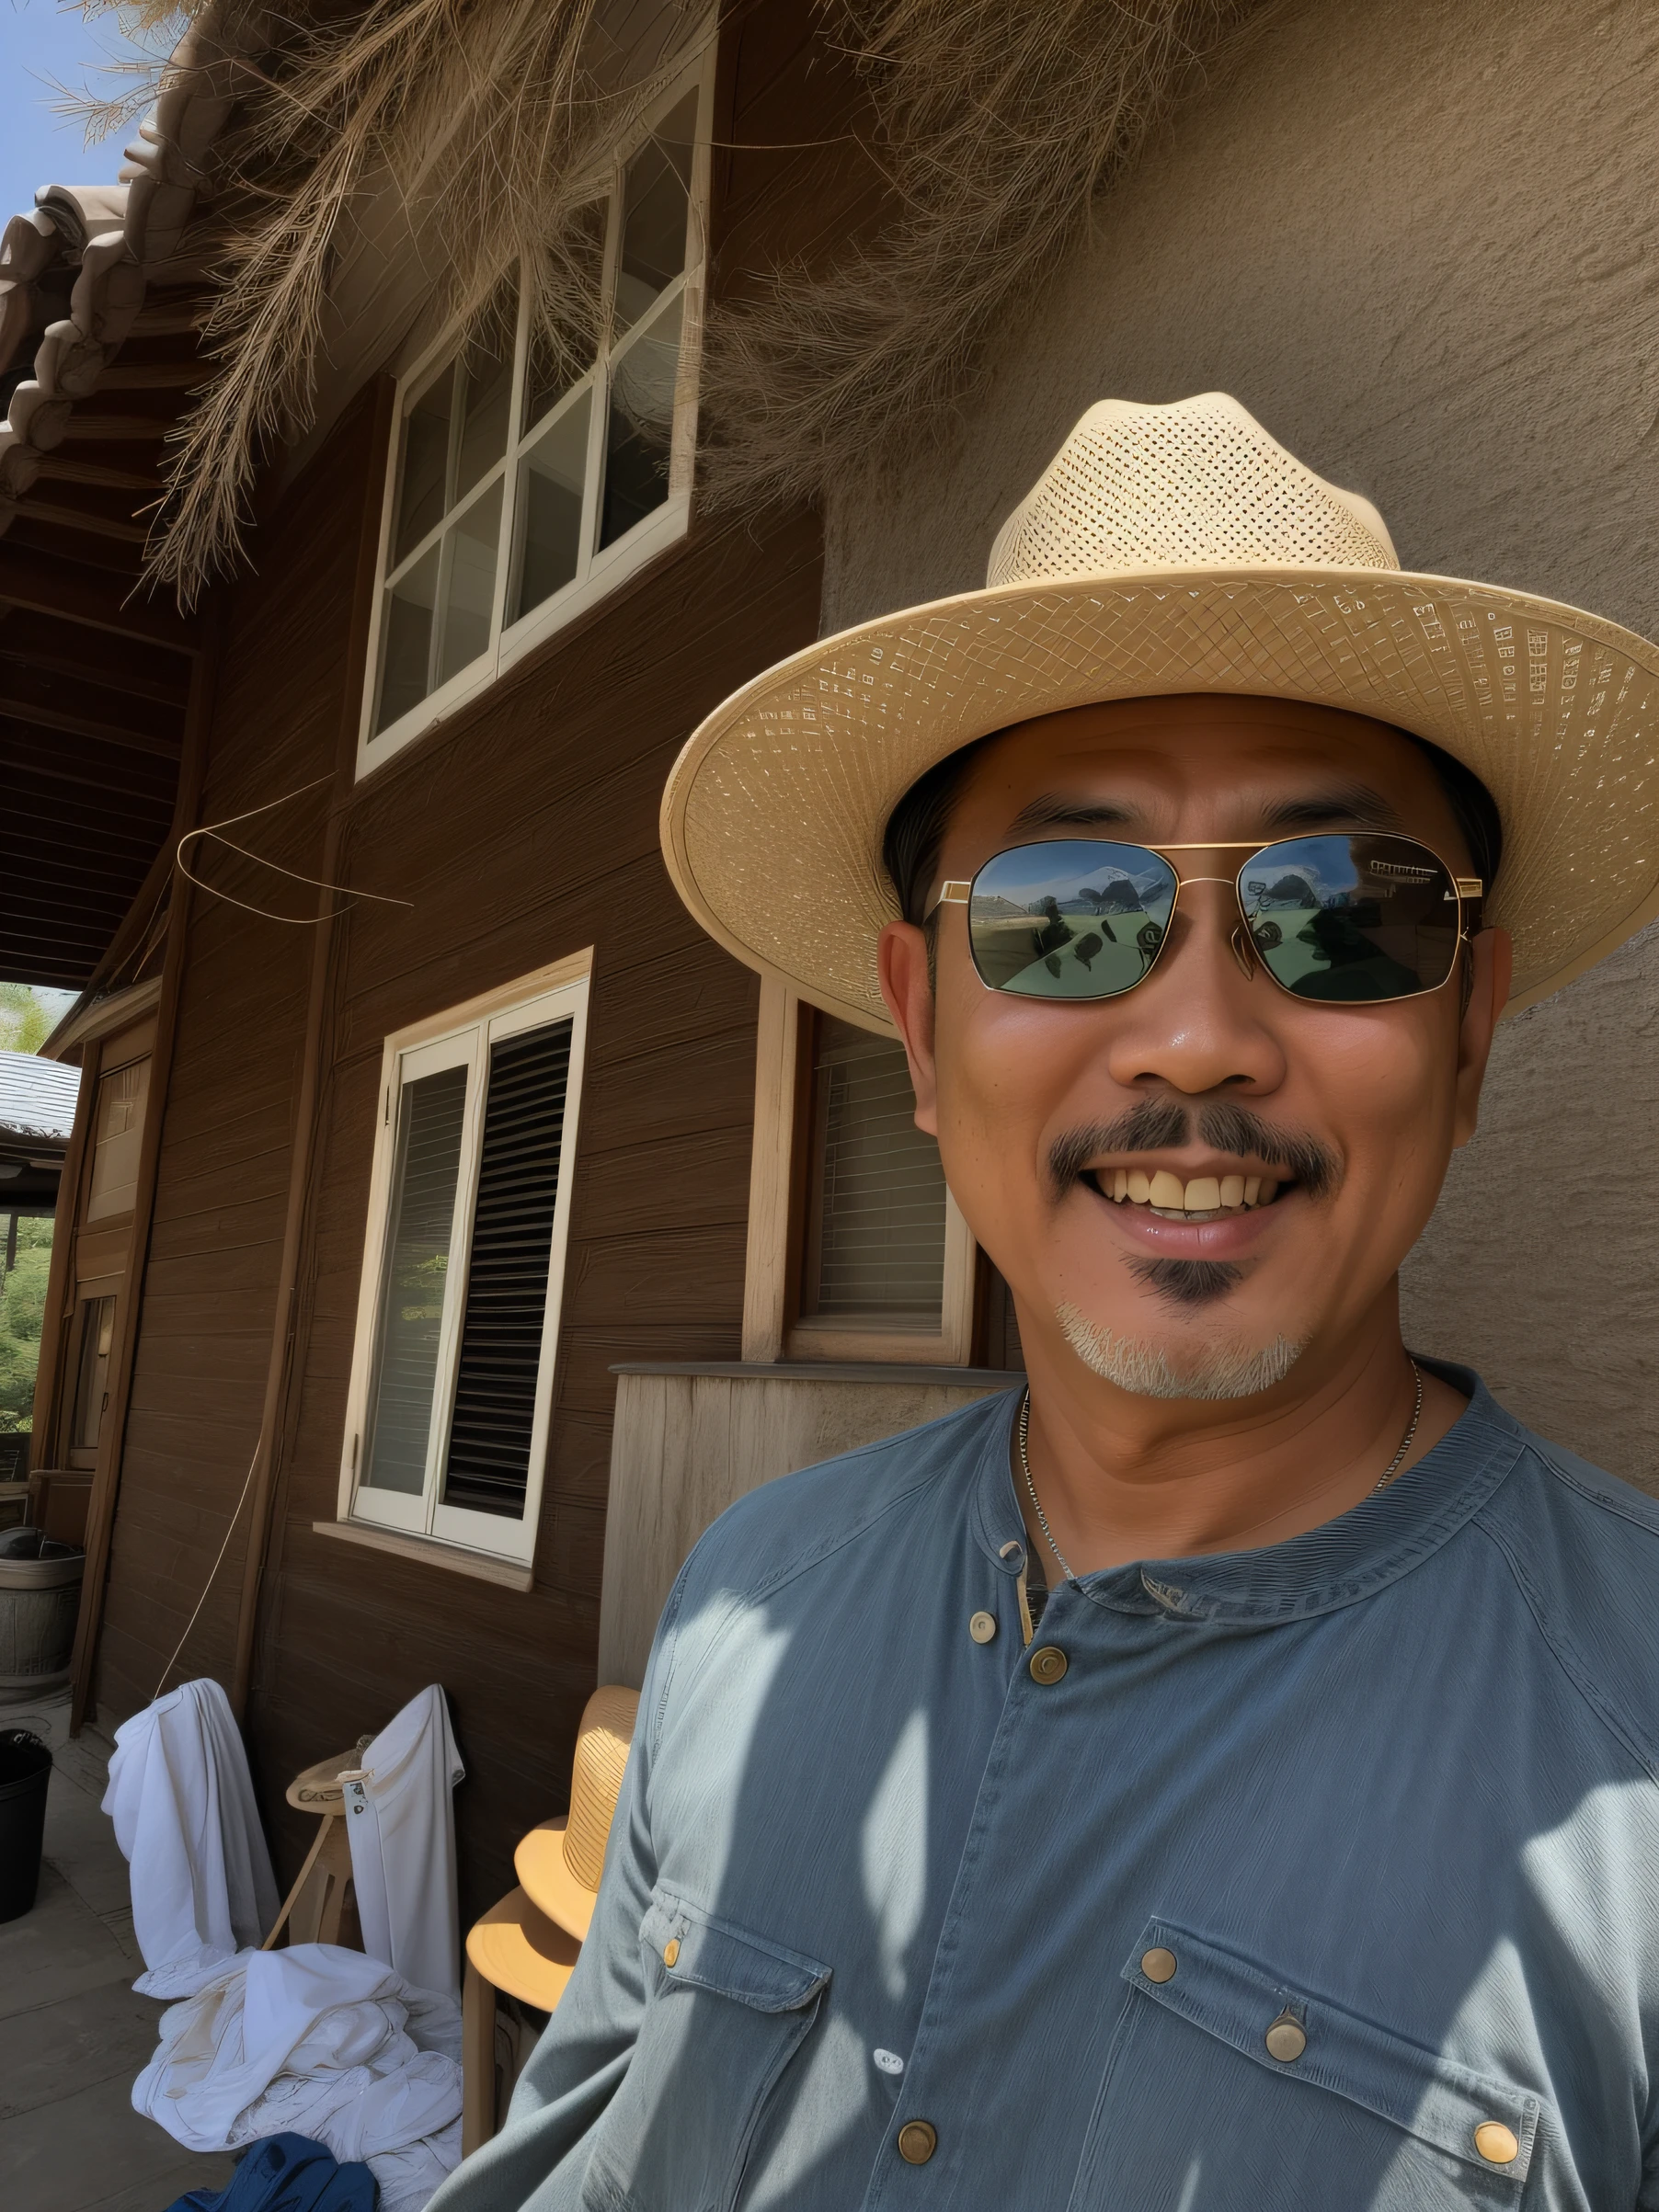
[(100, 312)]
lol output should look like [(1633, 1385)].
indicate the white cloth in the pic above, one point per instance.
[(183, 1805), (400, 1822), (324, 2042)]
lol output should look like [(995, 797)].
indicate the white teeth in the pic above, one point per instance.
[(1253, 1189), (1203, 1194), (1168, 1189), (1140, 1186), (1232, 1190), (1120, 1185)]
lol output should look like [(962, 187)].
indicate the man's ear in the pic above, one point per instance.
[(901, 963), (1491, 962)]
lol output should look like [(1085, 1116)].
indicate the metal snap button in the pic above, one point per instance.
[(1158, 1965), (982, 1627), (1048, 1662), (1496, 2143), (670, 1952), (918, 2140), (1287, 2039)]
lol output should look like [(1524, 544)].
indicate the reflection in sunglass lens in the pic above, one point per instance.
[(1074, 918), (1352, 919)]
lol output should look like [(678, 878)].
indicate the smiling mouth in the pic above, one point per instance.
[(1202, 1198)]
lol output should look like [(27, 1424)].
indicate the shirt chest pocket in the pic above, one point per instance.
[(1227, 2089), (725, 2011)]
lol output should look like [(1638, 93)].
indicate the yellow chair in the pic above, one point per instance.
[(526, 1945)]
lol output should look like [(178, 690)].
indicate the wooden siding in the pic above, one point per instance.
[(209, 1289), (523, 829)]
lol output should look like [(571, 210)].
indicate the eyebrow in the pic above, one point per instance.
[(1355, 806), (1054, 810)]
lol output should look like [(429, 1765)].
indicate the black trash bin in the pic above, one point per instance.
[(25, 1771)]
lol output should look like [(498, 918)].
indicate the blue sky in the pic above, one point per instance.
[(38, 38)]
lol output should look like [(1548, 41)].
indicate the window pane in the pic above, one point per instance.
[(560, 356), (639, 429), (550, 480), (489, 1464), (486, 403), (118, 1137), (422, 1218), (407, 648), (92, 1380), (656, 190), (876, 1243), (423, 467), (469, 594)]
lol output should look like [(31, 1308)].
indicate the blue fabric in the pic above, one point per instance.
[(1395, 1779), (287, 2173)]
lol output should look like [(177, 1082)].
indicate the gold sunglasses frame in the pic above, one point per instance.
[(1468, 891)]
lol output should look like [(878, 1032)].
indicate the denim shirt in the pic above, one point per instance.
[(1322, 1875)]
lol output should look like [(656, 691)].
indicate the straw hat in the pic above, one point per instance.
[(1168, 550), (559, 1864)]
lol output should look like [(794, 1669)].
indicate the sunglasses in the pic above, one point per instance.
[(1352, 919)]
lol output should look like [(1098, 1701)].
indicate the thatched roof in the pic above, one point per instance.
[(996, 123)]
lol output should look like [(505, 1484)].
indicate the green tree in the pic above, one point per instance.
[(22, 1310), (28, 1016)]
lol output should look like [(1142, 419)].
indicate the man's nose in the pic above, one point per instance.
[(1198, 1023)]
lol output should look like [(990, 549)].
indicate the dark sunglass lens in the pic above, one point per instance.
[(1074, 918), (1352, 919)]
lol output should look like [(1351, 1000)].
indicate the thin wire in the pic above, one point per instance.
[(294, 921), (213, 1571)]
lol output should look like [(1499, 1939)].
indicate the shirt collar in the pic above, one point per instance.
[(1381, 1538)]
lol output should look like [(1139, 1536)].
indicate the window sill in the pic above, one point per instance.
[(505, 1573), (660, 531), (854, 1341)]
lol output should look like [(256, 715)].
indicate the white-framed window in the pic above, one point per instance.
[(463, 1267), (515, 496), (856, 1248)]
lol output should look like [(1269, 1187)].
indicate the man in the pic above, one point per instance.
[(1226, 1777)]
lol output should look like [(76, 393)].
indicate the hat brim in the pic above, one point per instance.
[(773, 814), (541, 1866)]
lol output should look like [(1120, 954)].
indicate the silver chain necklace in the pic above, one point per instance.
[(1387, 1477)]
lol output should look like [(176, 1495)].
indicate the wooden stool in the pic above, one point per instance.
[(314, 1910)]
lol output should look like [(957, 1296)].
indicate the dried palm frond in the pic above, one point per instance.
[(1001, 123), (148, 32), (495, 122), (487, 119)]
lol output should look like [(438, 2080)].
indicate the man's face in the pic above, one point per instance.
[(1199, 1072)]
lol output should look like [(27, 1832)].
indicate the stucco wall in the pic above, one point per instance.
[(1421, 244)]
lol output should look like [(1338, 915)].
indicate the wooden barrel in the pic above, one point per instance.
[(40, 1597)]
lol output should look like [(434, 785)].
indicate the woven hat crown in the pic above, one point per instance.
[(1199, 481), (596, 1779)]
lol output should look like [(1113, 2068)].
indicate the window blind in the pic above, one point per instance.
[(488, 1469), (876, 1243)]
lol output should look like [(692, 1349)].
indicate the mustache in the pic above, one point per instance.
[(1165, 1124)]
